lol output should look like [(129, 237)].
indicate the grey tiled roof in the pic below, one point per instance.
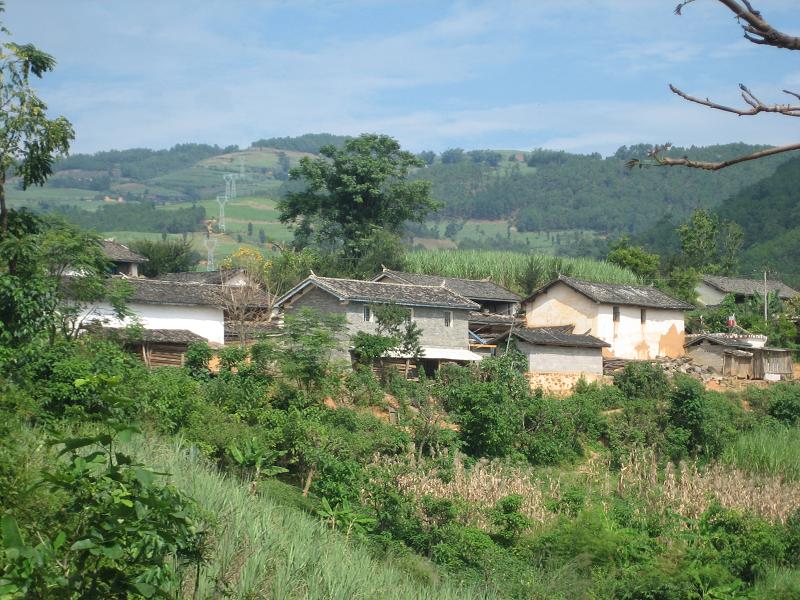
[(474, 289), (748, 287), (492, 318), (117, 252), (213, 277), (164, 336), (153, 291), (385, 293), (619, 294), (555, 336), (722, 339)]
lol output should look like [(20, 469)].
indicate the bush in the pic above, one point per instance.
[(746, 545), (171, 396), (784, 403), (602, 395), (643, 381)]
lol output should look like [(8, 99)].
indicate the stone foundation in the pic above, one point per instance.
[(561, 383)]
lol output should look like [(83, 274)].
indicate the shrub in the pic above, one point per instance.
[(198, 355), (602, 395), (643, 381), (508, 520), (362, 387), (746, 545), (784, 403), (171, 396)]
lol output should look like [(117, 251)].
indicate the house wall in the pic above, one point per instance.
[(561, 305), (206, 321), (562, 384), (661, 335), (707, 295), (429, 320), (561, 359), (707, 355)]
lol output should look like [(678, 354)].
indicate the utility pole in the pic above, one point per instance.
[(221, 200), (765, 296), (211, 245)]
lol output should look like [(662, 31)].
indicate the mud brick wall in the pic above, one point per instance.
[(561, 383)]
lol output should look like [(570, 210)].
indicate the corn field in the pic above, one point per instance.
[(514, 270)]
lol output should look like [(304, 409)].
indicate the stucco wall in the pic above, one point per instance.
[(708, 295), (708, 355), (561, 305), (206, 321), (560, 359), (661, 335)]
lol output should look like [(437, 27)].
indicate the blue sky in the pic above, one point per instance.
[(578, 75)]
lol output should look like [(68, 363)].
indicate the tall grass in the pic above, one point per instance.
[(262, 549), (514, 270), (771, 451)]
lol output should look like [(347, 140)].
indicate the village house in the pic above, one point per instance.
[(124, 260), (498, 306), (166, 305), (638, 322), (740, 355), (441, 314), (713, 289), (557, 358)]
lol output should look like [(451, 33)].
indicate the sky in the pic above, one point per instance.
[(576, 75)]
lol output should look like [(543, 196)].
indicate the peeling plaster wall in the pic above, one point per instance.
[(561, 305), (661, 335)]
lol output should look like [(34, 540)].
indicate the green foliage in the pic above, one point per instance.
[(198, 354), (768, 450), (636, 258), (309, 142), (124, 535), (514, 270), (746, 545), (165, 256), (30, 141), (135, 216), (352, 192), (309, 338), (643, 381), (508, 520)]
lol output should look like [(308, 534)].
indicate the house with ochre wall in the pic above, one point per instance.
[(637, 322)]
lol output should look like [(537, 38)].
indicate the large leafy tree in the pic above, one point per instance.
[(354, 193), (29, 141)]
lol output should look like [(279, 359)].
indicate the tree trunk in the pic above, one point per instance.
[(3, 208), (309, 479)]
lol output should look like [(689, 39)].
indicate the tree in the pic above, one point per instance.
[(353, 192), (709, 245), (249, 229), (427, 156), (452, 156), (396, 332), (758, 31), (165, 256), (635, 258), (29, 141)]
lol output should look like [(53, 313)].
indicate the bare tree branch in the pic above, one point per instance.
[(756, 105), (666, 161), (756, 28)]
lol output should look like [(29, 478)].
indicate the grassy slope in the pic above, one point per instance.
[(265, 549)]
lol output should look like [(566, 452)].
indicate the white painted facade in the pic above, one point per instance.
[(205, 321), (633, 335)]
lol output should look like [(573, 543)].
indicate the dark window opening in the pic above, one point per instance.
[(616, 314)]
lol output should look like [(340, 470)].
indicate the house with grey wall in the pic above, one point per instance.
[(498, 307), (557, 350), (713, 289), (441, 314)]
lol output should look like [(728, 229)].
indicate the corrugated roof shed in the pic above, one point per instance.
[(474, 289), (384, 293), (618, 294), (749, 287)]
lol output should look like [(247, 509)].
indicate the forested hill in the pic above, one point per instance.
[(549, 190)]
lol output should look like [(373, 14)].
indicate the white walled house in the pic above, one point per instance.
[(638, 322), (713, 289), (557, 350), (125, 261), (166, 305)]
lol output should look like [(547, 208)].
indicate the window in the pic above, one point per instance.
[(643, 315), (448, 318), (367, 313), (616, 314)]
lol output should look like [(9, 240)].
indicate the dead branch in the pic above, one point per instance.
[(756, 29), (756, 105), (666, 161)]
